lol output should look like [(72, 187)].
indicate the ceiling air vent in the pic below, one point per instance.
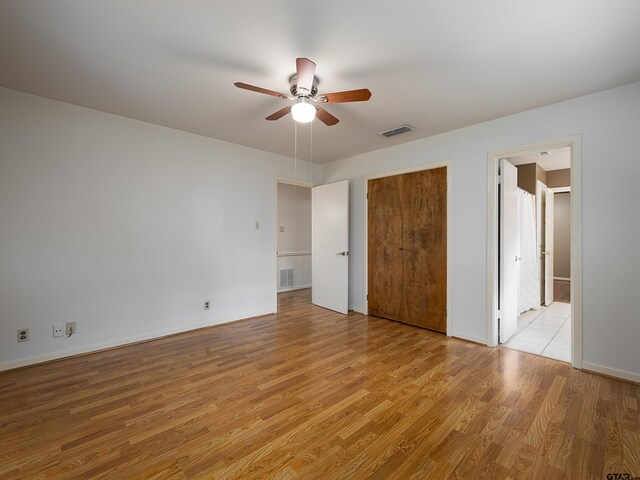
[(397, 131)]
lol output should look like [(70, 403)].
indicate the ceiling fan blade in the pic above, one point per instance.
[(305, 71), (361, 95), (325, 117), (279, 114), (253, 88)]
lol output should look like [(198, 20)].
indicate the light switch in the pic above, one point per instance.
[(281, 229)]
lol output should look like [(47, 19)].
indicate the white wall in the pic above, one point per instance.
[(608, 122), (294, 217), (126, 228)]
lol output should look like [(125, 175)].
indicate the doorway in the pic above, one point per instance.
[(534, 267), (311, 235), (539, 272), (293, 237)]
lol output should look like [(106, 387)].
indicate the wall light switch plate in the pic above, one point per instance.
[(70, 328)]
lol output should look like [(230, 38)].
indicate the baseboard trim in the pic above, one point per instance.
[(611, 372), (563, 279), (469, 338), (357, 309), (120, 343)]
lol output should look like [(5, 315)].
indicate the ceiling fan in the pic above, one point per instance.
[(304, 90)]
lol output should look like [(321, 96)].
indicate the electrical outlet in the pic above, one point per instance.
[(23, 335), (70, 329), (58, 330), (207, 305)]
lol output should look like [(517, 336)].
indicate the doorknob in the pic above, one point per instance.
[(344, 254)]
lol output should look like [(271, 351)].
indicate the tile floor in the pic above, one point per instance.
[(544, 331)]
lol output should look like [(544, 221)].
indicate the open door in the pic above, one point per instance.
[(509, 250), (547, 254), (541, 192), (330, 246)]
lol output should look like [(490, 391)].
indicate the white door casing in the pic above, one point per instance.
[(509, 250), (330, 246), (574, 142)]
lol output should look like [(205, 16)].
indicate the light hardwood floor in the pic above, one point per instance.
[(309, 393)]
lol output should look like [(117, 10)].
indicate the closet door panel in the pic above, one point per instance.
[(424, 211), (384, 247)]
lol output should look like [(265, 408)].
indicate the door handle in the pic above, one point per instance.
[(344, 254)]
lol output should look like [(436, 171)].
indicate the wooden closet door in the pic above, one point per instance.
[(424, 281), (385, 247)]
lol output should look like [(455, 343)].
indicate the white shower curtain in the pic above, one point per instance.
[(529, 278)]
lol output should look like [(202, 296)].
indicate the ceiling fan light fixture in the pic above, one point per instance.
[(303, 111), (304, 87)]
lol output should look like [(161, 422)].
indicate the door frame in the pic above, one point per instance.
[(290, 181), (574, 142), (430, 166)]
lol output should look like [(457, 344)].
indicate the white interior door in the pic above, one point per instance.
[(548, 252), (330, 246), (509, 250), (541, 191)]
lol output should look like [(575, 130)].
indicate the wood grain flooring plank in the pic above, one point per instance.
[(308, 393)]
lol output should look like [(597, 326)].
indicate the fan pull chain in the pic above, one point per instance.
[(311, 154), (295, 163)]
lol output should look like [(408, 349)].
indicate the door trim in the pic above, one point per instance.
[(430, 166), (274, 276), (575, 144)]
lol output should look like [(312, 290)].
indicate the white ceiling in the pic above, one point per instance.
[(436, 65), (557, 159)]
